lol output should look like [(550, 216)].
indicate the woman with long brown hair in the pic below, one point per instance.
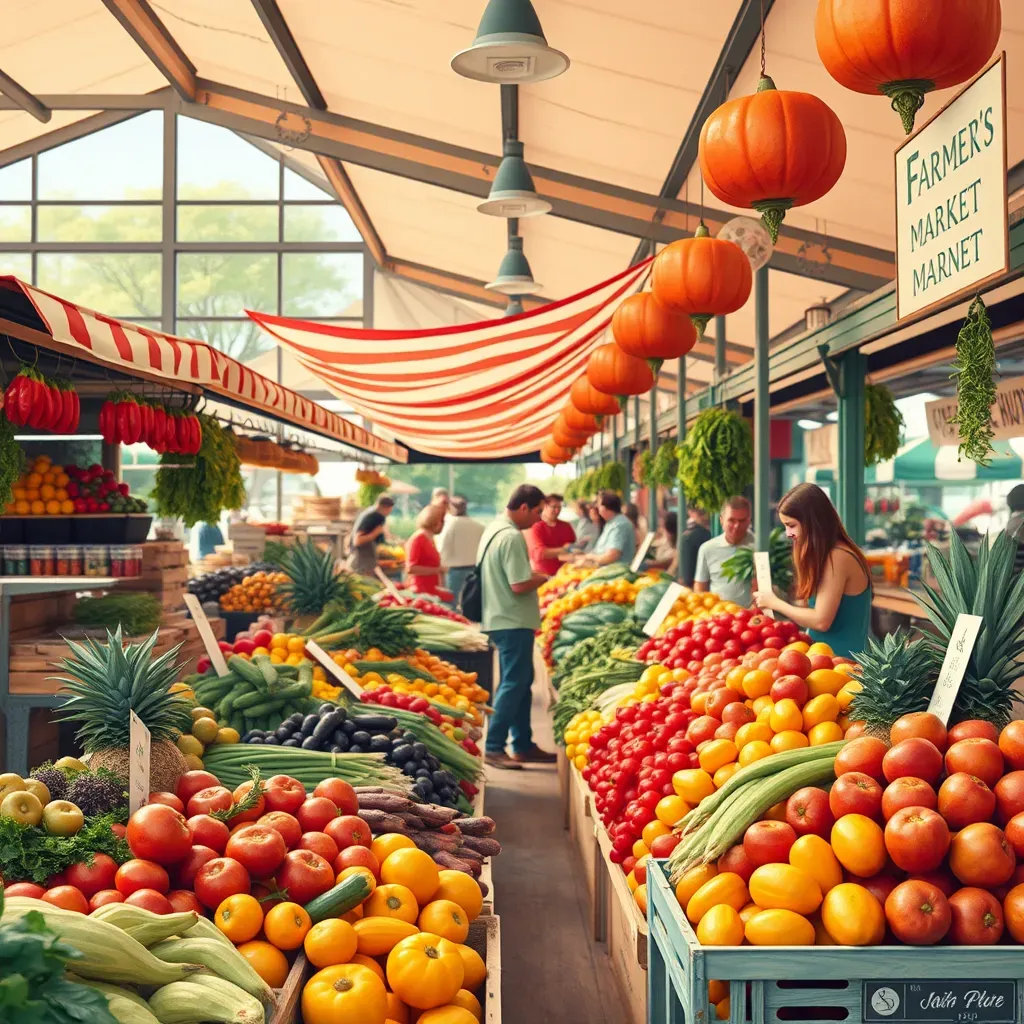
[(832, 575)]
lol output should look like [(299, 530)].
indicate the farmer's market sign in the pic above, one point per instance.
[(951, 220), (941, 1002), (1007, 415)]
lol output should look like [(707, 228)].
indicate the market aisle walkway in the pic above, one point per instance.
[(552, 971)]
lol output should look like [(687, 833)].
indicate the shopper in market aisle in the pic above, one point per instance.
[(368, 529), (511, 615), (439, 496), (548, 540), (423, 564), (458, 543), (586, 526), (695, 534), (664, 549), (713, 554), (617, 542), (832, 575)]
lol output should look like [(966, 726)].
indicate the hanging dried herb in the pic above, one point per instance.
[(883, 425), (716, 459), (975, 369)]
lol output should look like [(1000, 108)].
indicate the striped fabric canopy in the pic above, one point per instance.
[(475, 391)]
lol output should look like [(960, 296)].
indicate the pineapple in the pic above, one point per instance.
[(313, 585), (984, 586), (106, 681), (897, 677)]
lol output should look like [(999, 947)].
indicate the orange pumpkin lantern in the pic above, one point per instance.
[(702, 276), (771, 151), (587, 399), (616, 373), (566, 438), (648, 330), (554, 454), (905, 49), (580, 422)]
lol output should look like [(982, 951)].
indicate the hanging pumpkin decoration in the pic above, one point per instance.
[(702, 277), (615, 373), (771, 151), (587, 399), (905, 49), (580, 422), (566, 438), (553, 454), (648, 330)]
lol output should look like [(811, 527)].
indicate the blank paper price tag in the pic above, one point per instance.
[(213, 651), (343, 678), (763, 574), (641, 553), (389, 585), (660, 613), (138, 763), (954, 665)]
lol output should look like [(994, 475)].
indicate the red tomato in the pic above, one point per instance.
[(735, 859), (864, 754), (315, 813), (359, 856), (718, 701), (151, 900), (258, 849), (941, 878), (167, 798), (208, 831), (305, 875), (918, 913), (141, 874), (855, 793), (103, 897), (701, 729), (192, 782), (907, 792), (206, 801), (320, 843), (283, 793), (965, 799), (119, 830), (807, 810), (185, 872), (1009, 792), (29, 889), (254, 813), (664, 845), (768, 842), (220, 878), (971, 728), (1015, 833), (159, 833), (182, 900), (922, 724), (982, 855), (261, 892), (976, 756), (67, 897), (917, 839), (340, 793), (914, 756), (286, 824), (792, 686), (91, 878), (977, 918), (879, 885)]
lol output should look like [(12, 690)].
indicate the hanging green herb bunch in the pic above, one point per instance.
[(571, 491), (975, 369), (716, 459), (197, 488), (665, 464), (883, 425), (610, 477), (642, 473), (12, 461), (368, 494)]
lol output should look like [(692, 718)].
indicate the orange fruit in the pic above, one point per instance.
[(53, 507), (384, 845), (397, 901), (462, 889), (47, 491), (286, 925), (368, 961), (239, 917), (415, 870), (476, 969), (468, 1001), (330, 942), (445, 918), (267, 961)]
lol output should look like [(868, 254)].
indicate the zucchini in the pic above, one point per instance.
[(345, 896), (246, 670), (261, 710)]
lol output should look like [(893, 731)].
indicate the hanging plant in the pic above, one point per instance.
[(716, 459), (587, 399), (368, 494), (610, 477), (615, 373), (905, 50), (588, 484), (665, 465), (883, 425), (702, 277), (975, 369), (642, 473), (571, 492), (646, 329)]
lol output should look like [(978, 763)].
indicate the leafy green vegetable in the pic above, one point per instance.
[(275, 553), (665, 465), (30, 854), (610, 477), (975, 369), (135, 613), (12, 461), (883, 425), (642, 469), (369, 493), (740, 566), (716, 459)]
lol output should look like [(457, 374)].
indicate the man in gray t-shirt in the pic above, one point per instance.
[(714, 553), (367, 530)]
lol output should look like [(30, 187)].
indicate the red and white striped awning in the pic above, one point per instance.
[(475, 391), (128, 347)]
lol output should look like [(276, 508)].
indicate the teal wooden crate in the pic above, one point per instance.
[(818, 984)]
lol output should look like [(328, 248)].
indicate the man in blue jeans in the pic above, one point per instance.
[(511, 615)]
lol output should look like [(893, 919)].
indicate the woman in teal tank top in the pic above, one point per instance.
[(832, 574)]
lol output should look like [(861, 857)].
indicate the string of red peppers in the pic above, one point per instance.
[(125, 419), (32, 400)]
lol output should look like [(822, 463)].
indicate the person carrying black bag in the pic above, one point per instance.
[(510, 615)]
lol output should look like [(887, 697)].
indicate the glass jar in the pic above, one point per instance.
[(135, 560), (96, 561), (69, 560), (42, 560), (16, 560)]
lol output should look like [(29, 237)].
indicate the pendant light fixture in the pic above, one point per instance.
[(514, 274), (512, 192), (515, 306), (510, 47)]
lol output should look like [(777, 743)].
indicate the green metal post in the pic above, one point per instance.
[(850, 504), (680, 434), (652, 491), (636, 431), (615, 439), (627, 457), (720, 366), (762, 476)]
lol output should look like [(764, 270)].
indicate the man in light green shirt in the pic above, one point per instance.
[(511, 615), (714, 553)]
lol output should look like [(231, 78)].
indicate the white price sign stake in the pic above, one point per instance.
[(954, 665), (641, 552), (389, 585), (138, 763), (213, 651), (763, 573), (660, 613), (344, 679)]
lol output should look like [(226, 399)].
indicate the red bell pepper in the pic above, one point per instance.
[(12, 406), (159, 429), (197, 435), (171, 433), (184, 435), (76, 412), (26, 394)]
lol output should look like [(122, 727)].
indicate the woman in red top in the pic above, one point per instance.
[(423, 567)]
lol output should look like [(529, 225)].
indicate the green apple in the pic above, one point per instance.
[(62, 818), (23, 807), (11, 783), (37, 788)]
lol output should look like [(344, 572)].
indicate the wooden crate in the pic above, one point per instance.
[(164, 554), (36, 614), (156, 580)]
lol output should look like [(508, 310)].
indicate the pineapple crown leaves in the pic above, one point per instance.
[(897, 677), (313, 582), (109, 680)]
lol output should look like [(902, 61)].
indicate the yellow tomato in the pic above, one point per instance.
[(753, 751), (825, 680), (823, 708), (785, 715), (820, 648), (652, 830), (825, 732), (752, 732), (725, 773), (671, 810), (788, 740), (693, 784)]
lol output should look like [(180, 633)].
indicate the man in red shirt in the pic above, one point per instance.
[(550, 537)]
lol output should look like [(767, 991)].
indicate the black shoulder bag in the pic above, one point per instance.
[(471, 597)]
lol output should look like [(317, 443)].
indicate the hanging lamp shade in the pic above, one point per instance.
[(554, 454), (580, 422), (515, 306), (615, 373), (514, 274), (512, 192), (644, 328), (752, 237), (510, 47), (587, 399)]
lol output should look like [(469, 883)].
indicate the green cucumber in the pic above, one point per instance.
[(262, 710), (249, 699), (246, 670), (345, 896), (268, 671)]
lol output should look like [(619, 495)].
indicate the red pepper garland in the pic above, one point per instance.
[(124, 419), (33, 401)]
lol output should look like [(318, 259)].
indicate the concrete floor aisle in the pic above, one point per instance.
[(552, 971)]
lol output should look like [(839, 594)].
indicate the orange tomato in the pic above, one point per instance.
[(394, 901), (717, 754), (462, 889), (330, 942), (384, 845), (859, 845), (450, 1014), (852, 916), (474, 966), (398, 1012), (692, 785), (814, 855), (779, 927), (652, 830), (415, 870), (784, 887), (725, 888), (720, 926), (757, 683), (240, 918), (267, 961), (348, 992), (468, 1001), (692, 881), (445, 918), (671, 809), (286, 925), (368, 961)]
